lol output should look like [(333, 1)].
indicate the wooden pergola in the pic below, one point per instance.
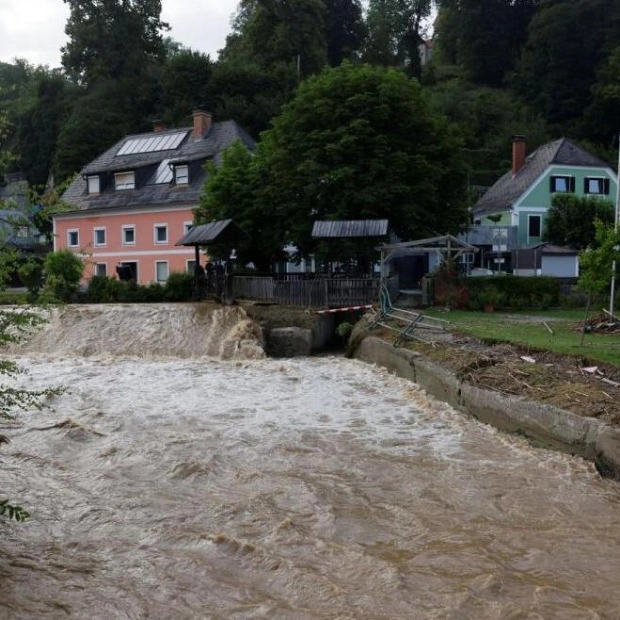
[(448, 246)]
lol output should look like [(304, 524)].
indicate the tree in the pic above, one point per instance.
[(571, 220), (395, 30), (597, 263), (344, 30), (271, 32), (112, 39), (361, 143), (231, 191), (556, 71), (63, 272), (484, 37)]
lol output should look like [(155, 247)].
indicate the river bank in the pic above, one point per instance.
[(557, 401)]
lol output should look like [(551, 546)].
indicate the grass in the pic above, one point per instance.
[(532, 330)]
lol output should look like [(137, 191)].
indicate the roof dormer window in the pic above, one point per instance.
[(93, 184), (181, 174), (124, 180)]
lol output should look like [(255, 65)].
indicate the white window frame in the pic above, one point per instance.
[(125, 228), (98, 269), (94, 184), (601, 186), (564, 177), (96, 230), (181, 174), (187, 226), (76, 232), (157, 264), (124, 181), (156, 240), (190, 265)]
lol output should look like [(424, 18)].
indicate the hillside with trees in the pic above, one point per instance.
[(542, 68)]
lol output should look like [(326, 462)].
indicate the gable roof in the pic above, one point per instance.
[(147, 153), (346, 229), (207, 234), (508, 189)]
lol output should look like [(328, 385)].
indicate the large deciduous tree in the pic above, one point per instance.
[(361, 143), (112, 39)]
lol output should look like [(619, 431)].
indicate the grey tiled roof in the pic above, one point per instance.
[(206, 234), (194, 152), (508, 189)]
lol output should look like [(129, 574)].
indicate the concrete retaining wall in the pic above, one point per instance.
[(546, 425)]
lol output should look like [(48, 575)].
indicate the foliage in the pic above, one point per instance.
[(360, 143), (556, 71), (515, 292), (179, 286), (570, 220), (597, 264), (395, 30), (63, 272), (31, 274), (112, 39), (231, 191), (484, 37)]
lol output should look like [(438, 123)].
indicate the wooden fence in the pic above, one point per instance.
[(314, 293)]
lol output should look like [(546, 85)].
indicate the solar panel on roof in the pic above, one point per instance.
[(152, 144)]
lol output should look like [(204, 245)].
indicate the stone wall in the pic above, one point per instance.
[(546, 425)]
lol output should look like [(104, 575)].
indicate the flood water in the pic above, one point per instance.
[(201, 488)]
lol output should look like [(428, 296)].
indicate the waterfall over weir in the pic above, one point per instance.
[(147, 330)]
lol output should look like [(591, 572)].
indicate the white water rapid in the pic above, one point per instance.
[(178, 480)]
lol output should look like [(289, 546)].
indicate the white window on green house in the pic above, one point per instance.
[(129, 235), (161, 233), (161, 271), (93, 184), (562, 184), (101, 269), (99, 234), (124, 181), (596, 186), (73, 238)]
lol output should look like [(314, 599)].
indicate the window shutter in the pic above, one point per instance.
[(606, 187), (585, 186), (552, 184), (572, 184)]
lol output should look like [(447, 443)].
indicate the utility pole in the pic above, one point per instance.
[(616, 221)]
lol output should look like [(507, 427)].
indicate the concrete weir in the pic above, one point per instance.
[(545, 425)]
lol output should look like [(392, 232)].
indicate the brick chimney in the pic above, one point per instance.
[(202, 124), (158, 126), (518, 153)]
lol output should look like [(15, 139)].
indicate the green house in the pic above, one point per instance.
[(512, 214)]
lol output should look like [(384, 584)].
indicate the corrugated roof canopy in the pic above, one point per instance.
[(345, 229), (214, 232)]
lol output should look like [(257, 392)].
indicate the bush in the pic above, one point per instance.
[(63, 272), (179, 287), (102, 289)]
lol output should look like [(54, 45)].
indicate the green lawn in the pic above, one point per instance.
[(529, 329)]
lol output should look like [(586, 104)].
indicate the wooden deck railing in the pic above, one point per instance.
[(315, 293)]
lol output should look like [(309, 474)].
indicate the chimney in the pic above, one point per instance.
[(202, 124), (518, 153), (158, 126)]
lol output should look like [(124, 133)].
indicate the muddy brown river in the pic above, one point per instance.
[(165, 487)]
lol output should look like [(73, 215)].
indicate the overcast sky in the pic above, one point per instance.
[(35, 29)]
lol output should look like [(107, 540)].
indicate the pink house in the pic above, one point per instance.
[(136, 200)]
